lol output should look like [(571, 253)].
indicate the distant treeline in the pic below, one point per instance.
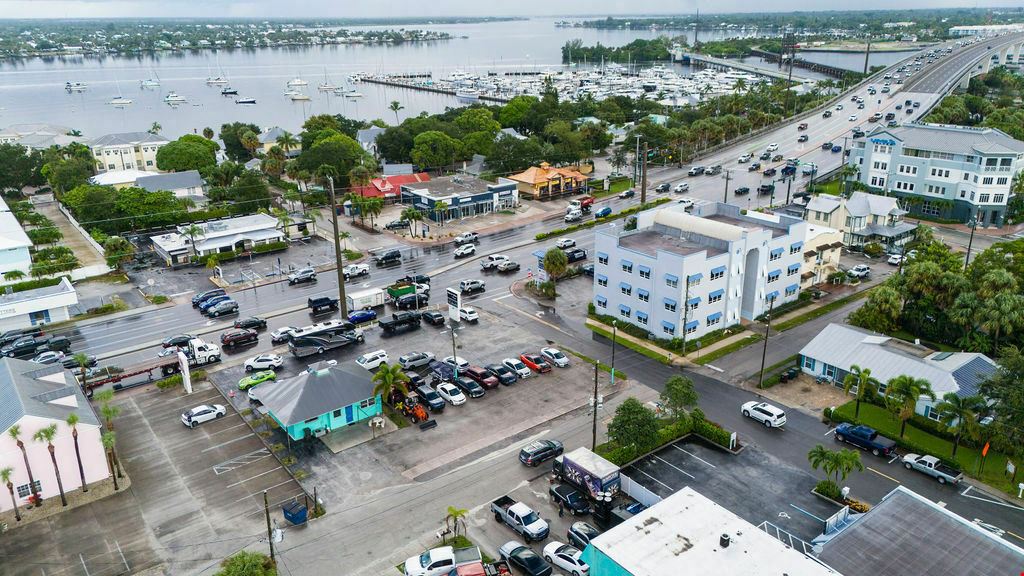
[(636, 51)]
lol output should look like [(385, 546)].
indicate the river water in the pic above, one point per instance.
[(33, 90)]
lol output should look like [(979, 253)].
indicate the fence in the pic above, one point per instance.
[(78, 227), (638, 492), (837, 521)]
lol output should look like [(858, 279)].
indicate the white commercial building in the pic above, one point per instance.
[(687, 533), (680, 273), (127, 151), (985, 29), (14, 243), (231, 234), (37, 306)]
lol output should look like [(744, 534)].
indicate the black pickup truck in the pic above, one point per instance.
[(400, 321)]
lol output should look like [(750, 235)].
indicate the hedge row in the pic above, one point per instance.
[(591, 223), (269, 247), (696, 423), (33, 284), (174, 380)]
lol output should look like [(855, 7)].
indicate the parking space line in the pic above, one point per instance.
[(694, 455), (678, 469), (989, 500), (228, 428), (247, 436), (653, 478), (243, 460), (233, 484), (502, 297), (276, 504), (257, 494), (884, 475), (832, 431)]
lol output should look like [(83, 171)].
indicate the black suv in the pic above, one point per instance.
[(662, 187), (22, 347), (61, 343), (431, 398), (388, 257), (433, 317), (470, 387), (575, 255), (252, 323), (322, 304), (416, 278), (502, 373), (540, 451), (233, 338), (411, 301)]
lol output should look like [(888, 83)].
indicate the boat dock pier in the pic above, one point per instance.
[(396, 81)]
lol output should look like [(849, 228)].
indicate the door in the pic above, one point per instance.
[(348, 414)]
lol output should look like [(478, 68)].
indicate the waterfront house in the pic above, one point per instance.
[(127, 151), (268, 139), (38, 136), (35, 396), (367, 138), (323, 398), (546, 182)]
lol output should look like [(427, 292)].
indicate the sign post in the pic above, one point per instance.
[(454, 303)]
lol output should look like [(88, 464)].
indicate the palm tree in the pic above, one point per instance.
[(344, 235), (374, 206), (390, 377), (287, 141), (13, 275), (359, 176), (395, 106), (902, 394), (555, 264), (72, 422), (47, 435), (454, 518), (412, 215), (441, 210), (193, 230), (250, 141), (821, 457), (5, 477), (960, 414), (866, 385), (847, 461), (283, 219), (109, 441), (1001, 314), (208, 133), (110, 412), (845, 173), (15, 433), (155, 128)]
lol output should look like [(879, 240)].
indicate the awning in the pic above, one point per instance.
[(670, 302), (667, 324), (812, 253), (641, 315), (714, 316), (625, 286), (718, 269), (645, 269), (716, 294), (777, 251), (602, 299), (792, 267), (643, 293), (602, 278), (602, 255), (777, 271), (772, 295), (792, 287), (671, 278), (796, 245), (627, 263), (694, 277), (691, 324), (693, 301), (624, 308)]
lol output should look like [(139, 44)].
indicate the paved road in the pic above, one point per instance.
[(940, 73)]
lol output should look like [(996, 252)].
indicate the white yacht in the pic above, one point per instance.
[(352, 94), (216, 80), (174, 98), (149, 83), (299, 96), (467, 94), (120, 101), (297, 82), (75, 87), (245, 101)]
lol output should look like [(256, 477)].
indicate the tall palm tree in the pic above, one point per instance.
[(47, 435), (902, 394), (454, 518), (250, 141), (72, 422), (821, 457), (388, 378), (866, 385), (374, 207), (109, 411), (193, 230), (208, 133), (109, 440), (283, 219), (960, 414), (1001, 314), (287, 141), (5, 477), (15, 433), (441, 210), (155, 128), (395, 106), (344, 235), (359, 176), (846, 461), (555, 264)]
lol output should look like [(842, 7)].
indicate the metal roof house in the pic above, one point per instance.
[(838, 347), (231, 234), (187, 184), (908, 535), (323, 398), (686, 534), (863, 218)]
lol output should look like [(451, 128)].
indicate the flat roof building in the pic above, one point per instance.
[(38, 306), (465, 196), (688, 533), (231, 234)]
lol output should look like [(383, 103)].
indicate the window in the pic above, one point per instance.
[(775, 255), (627, 267), (932, 413), (930, 209), (983, 198), (311, 420), (793, 269), (963, 193), (672, 281), (669, 329), (624, 311), (905, 186), (998, 198), (602, 302), (149, 162), (940, 173), (670, 305), (808, 363), (693, 303), (626, 289), (367, 403), (791, 290), (24, 492), (641, 318), (337, 414), (967, 175), (602, 280), (878, 181), (39, 317), (975, 178), (691, 328), (773, 276), (907, 169), (714, 319), (1002, 181), (715, 297), (882, 148), (643, 295), (717, 273), (795, 248), (936, 189), (645, 272), (694, 280), (602, 258), (110, 166), (987, 180), (830, 371), (880, 165)]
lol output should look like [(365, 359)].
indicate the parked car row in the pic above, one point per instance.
[(215, 303)]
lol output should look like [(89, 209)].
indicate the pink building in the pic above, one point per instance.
[(35, 396)]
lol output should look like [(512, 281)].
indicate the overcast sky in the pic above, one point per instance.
[(375, 8)]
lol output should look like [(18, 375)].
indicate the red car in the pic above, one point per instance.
[(233, 338), (481, 377), (535, 362)]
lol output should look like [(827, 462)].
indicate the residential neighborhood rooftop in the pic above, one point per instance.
[(12, 235), (170, 181), (128, 139)]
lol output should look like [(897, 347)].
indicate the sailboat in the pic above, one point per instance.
[(352, 94), (326, 85), (212, 80), (297, 82), (299, 96), (120, 100)]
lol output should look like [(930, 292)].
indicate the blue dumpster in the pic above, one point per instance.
[(294, 512)]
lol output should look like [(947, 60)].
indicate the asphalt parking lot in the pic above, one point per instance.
[(754, 484)]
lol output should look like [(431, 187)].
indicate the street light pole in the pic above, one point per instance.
[(593, 433), (764, 351), (337, 251), (974, 226), (455, 357), (615, 328), (728, 176)]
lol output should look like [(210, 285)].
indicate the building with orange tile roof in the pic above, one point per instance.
[(545, 182)]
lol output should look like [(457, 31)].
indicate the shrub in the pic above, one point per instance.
[(269, 247), (175, 380), (352, 254), (712, 432), (44, 235), (99, 236), (158, 298), (828, 489), (873, 249), (33, 284)]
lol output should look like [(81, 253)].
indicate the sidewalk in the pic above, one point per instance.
[(965, 229)]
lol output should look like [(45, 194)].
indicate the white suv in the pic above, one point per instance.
[(372, 360), (764, 413)]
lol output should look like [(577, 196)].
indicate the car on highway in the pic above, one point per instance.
[(468, 314), (570, 498), (451, 393), (566, 557), (71, 362), (491, 261), (502, 374), (892, 124), (857, 133), (415, 359), (663, 187), (256, 378), (826, 114), (517, 367), (742, 190), (745, 158), (839, 106), (860, 106), (251, 323), (802, 126), (239, 337), (580, 534), (302, 275), (540, 451), (896, 259), (282, 334), (266, 361), (827, 146), (573, 216), (469, 387), (772, 147), (471, 286), (681, 187), (575, 255), (355, 270), (361, 316), (808, 169), (411, 301), (765, 189), (754, 167), (222, 308), (788, 170), (202, 413), (803, 138), (765, 156), (565, 243), (603, 212), (713, 170), (372, 360), (388, 257), (765, 413), (177, 340), (48, 357), (465, 250), (524, 559), (555, 356), (852, 118), (859, 271), (837, 149), (626, 194), (535, 362), (433, 317), (769, 172), (467, 237), (507, 266), (695, 170), (687, 204)]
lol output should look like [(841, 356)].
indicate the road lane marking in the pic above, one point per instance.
[(1015, 535), (694, 455), (653, 478), (502, 297), (715, 368), (677, 468), (884, 475), (832, 431)]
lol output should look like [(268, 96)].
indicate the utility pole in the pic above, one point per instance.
[(270, 534), (615, 332), (764, 351), (593, 435), (789, 186), (337, 253), (791, 47), (643, 178), (636, 161), (725, 200), (867, 55)]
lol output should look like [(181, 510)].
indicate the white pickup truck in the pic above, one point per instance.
[(934, 467), (441, 561), (520, 518)]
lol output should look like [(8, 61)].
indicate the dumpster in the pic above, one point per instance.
[(294, 512)]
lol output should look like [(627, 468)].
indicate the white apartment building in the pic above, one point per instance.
[(127, 151), (680, 274)]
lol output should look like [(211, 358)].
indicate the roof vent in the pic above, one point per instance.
[(724, 540)]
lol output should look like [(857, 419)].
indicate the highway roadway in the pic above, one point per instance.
[(945, 69)]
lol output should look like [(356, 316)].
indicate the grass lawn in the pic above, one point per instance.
[(775, 371), (833, 188), (820, 311), (614, 187), (968, 458), (726, 350), (629, 344), (601, 365)]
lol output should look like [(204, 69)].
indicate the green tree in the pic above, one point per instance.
[(678, 397), (250, 140), (15, 433), (867, 387), (65, 174), (455, 518), (12, 275), (208, 133), (434, 149), (395, 144), (412, 215), (5, 478), (284, 219), (619, 158), (960, 415), (902, 395), (634, 426), (388, 379), (72, 422), (477, 119), (509, 154), (179, 156), (287, 141), (555, 264), (247, 564), (47, 435), (155, 128), (16, 167), (359, 177), (249, 193), (396, 107), (1005, 391), (109, 441), (836, 464), (231, 135), (340, 152), (515, 113)]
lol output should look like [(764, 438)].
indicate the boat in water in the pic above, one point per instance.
[(120, 101), (299, 96), (326, 85), (229, 91), (297, 82), (174, 98), (75, 87), (149, 83), (467, 95), (245, 101), (216, 80), (352, 94)]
